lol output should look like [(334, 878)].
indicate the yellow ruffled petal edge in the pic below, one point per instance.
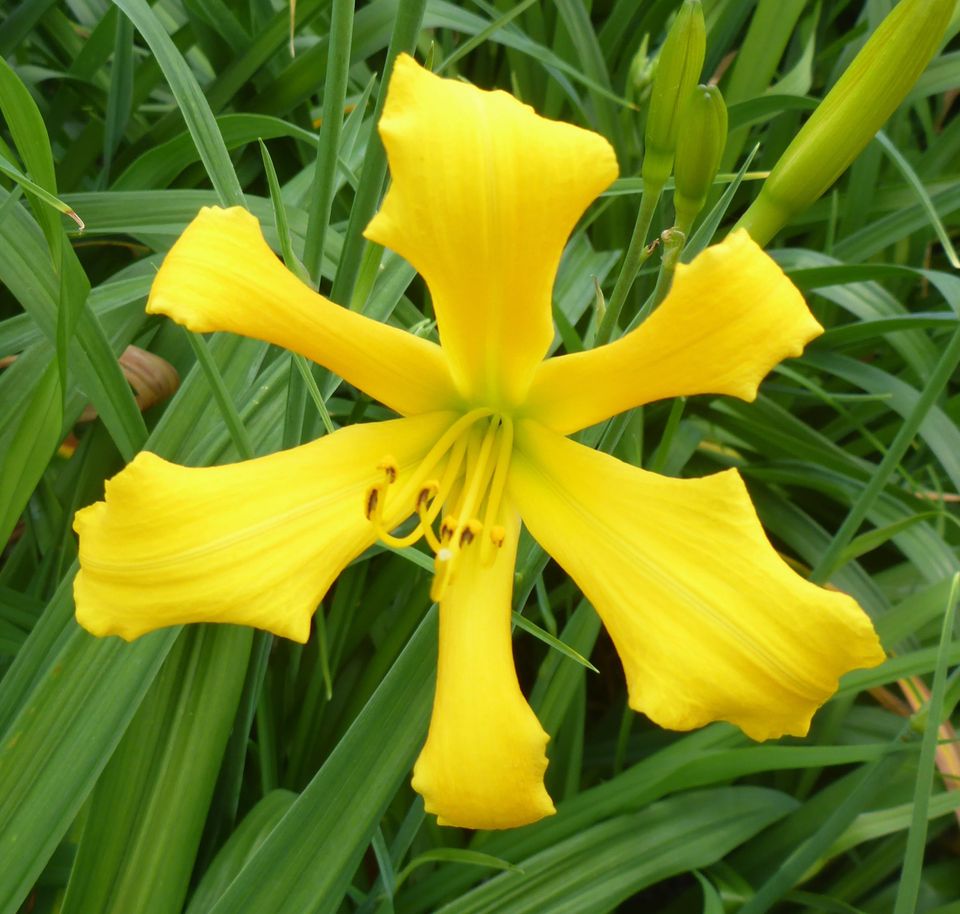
[(730, 316), (483, 763), (484, 195), (709, 621), (222, 275), (255, 543)]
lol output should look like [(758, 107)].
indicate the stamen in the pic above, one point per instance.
[(371, 502), (389, 467), (427, 527), (470, 487), (495, 495), (442, 568), (428, 492), (478, 473), (447, 528), (470, 532), (444, 443), (427, 507), (450, 438)]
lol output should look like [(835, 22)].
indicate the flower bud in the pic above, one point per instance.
[(640, 74), (678, 69), (703, 135), (867, 93)]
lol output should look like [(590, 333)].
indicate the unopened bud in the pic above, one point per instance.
[(867, 93), (703, 135), (678, 70), (640, 74)]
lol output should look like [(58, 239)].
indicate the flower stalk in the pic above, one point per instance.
[(678, 69)]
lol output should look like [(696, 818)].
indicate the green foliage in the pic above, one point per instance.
[(215, 770)]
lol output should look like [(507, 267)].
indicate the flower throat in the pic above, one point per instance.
[(463, 476)]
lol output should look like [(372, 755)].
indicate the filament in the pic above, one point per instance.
[(470, 487)]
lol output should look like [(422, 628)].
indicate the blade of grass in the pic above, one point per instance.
[(325, 168), (37, 191), (941, 373), (307, 862), (190, 101), (908, 889), (29, 434), (54, 750), (228, 409), (911, 177), (406, 27), (806, 855), (145, 818), (120, 96)]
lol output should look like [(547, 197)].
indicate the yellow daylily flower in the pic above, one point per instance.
[(711, 624)]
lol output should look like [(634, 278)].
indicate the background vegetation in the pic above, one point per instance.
[(218, 770)]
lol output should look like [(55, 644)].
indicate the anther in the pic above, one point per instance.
[(371, 501), (389, 467), (470, 532), (442, 569), (427, 493), (447, 528), (498, 534)]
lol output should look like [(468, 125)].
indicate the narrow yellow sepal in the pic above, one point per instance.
[(484, 195), (484, 759), (731, 315), (709, 621), (222, 275), (254, 543)]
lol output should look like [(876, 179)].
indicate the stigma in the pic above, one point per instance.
[(456, 492)]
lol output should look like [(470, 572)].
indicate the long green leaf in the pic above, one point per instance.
[(147, 813), (610, 862), (308, 860), (194, 107)]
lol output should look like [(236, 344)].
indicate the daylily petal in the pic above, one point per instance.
[(731, 315), (709, 621), (483, 763), (485, 194), (222, 275), (255, 543)]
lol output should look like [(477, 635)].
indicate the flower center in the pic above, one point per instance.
[(463, 476)]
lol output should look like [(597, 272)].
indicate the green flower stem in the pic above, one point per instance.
[(941, 374), (673, 241), (634, 259)]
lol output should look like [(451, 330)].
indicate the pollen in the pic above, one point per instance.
[(455, 494), (427, 494), (390, 468), (371, 501), (470, 532)]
